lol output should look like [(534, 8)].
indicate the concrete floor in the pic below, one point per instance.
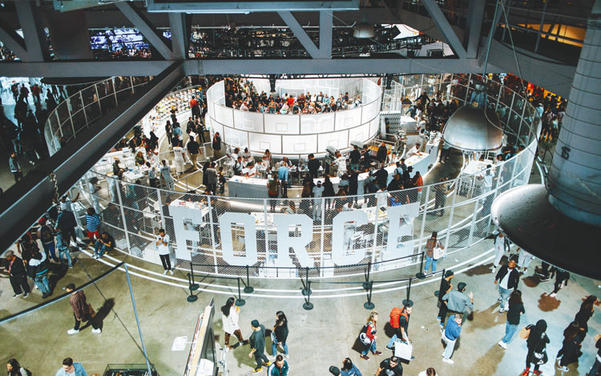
[(318, 338)]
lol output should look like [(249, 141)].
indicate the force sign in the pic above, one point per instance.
[(399, 220)]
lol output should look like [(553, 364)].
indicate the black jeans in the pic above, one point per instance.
[(166, 261), (18, 176), (260, 359), (19, 283), (89, 319)]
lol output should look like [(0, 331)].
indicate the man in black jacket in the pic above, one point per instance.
[(17, 274), (313, 166), (66, 223), (507, 278)]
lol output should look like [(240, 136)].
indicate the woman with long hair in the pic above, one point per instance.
[(14, 368), (516, 308), (537, 343), (280, 334), (349, 369), (570, 349), (230, 318), (370, 333)]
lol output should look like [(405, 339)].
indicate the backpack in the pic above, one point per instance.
[(46, 234), (395, 315)]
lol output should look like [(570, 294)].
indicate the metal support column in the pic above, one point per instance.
[(133, 304), (118, 184)]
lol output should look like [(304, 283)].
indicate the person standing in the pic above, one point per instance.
[(516, 308), (537, 344), (82, 311), (317, 200), (280, 334), (440, 196), (230, 318), (17, 275), (211, 174), (257, 345), (450, 336), (162, 243), (349, 369), (66, 224), (63, 250), (430, 245), (46, 235), (166, 174), (273, 189), (14, 368), (458, 302), (445, 287), (390, 367), (15, 167), (313, 165), (283, 175), (501, 246), (370, 336), (402, 325), (561, 280), (280, 367), (507, 278), (38, 270), (570, 349), (71, 368), (92, 224), (216, 145), (194, 149)]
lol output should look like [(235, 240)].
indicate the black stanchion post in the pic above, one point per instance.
[(367, 273), (240, 302), (439, 286), (306, 283), (421, 274), (307, 305), (248, 289), (369, 304), (408, 300), (193, 285), (191, 298)]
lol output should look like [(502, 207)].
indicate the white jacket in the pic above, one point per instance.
[(230, 323)]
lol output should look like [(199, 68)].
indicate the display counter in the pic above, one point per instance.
[(243, 187)]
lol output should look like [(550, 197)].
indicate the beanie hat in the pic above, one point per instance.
[(255, 323)]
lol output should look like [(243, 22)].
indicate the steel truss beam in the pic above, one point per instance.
[(29, 199), (443, 25), (245, 66), (146, 28)]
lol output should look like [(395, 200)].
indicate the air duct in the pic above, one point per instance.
[(562, 223)]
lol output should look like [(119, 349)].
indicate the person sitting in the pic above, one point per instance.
[(104, 244)]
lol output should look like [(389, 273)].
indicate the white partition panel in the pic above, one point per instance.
[(234, 137), (360, 133), (317, 123), (260, 142), (248, 121), (374, 127), (216, 127), (348, 119), (282, 124), (339, 140), (299, 144), (224, 115), (370, 111)]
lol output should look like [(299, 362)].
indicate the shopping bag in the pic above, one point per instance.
[(437, 253), (403, 350)]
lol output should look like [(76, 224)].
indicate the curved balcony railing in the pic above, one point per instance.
[(133, 213), (77, 112)]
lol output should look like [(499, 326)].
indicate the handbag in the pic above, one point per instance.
[(437, 253), (403, 350), (524, 333), (364, 339), (541, 358)]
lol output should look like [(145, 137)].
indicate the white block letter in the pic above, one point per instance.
[(250, 238), (400, 223), (297, 243), (182, 218), (340, 255)]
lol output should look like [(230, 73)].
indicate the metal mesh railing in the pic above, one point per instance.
[(459, 209)]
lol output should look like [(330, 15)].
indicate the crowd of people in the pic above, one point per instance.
[(241, 94)]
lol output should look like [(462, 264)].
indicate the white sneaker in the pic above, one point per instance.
[(450, 361), (563, 369), (165, 271), (171, 271), (502, 344), (72, 331), (552, 295), (97, 331)]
